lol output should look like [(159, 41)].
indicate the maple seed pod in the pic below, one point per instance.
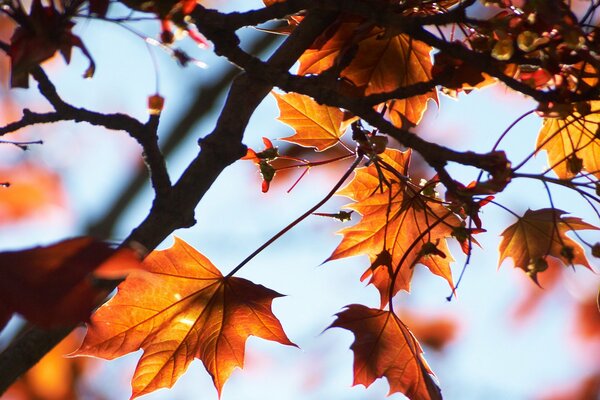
[(583, 108), (378, 144), (575, 164), (526, 41), (538, 265), (568, 253), (503, 49), (596, 250), (155, 104)]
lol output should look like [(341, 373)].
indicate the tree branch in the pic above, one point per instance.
[(218, 150)]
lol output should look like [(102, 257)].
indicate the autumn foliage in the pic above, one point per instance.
[(353, 80)]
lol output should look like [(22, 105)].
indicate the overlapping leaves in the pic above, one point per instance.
[(378, 62), (572, 143), (400, 226), (53, 286)]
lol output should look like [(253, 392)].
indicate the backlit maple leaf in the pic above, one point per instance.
[(179, 309), (383, 62), (539, 234), (400, 226), (572, 143), (384, 346), (315, 125)]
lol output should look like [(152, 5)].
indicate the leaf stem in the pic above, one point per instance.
[(299, 219)]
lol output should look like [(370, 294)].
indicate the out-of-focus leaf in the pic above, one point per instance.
[(432, 331), (54, 285), (55, 377), (31, 191), (42, 33)]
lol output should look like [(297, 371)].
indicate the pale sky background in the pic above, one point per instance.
[(493, 357)]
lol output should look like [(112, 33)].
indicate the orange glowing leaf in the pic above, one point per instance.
[(53, 285), (384, 346), (55, 377), (32, 190), (180, 308), (383, 62), (433, 331), (315, 125), (539, 234), (572, 143), (400, 226)]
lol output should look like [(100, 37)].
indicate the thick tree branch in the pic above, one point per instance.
[(218, 150)]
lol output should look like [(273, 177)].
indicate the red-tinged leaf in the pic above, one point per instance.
[(315, 125), (180, 308), (432, 331), (384, 346), (585, 389), (31, 191), (42, 33), (396, 218), (383, 62), (53, 285), (588, 319), (539, 234), (574, 137), (531, 296)]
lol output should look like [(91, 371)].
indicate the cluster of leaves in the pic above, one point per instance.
[(367, 69)]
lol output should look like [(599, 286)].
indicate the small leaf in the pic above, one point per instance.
[(46, 30), (396, 218), (315, 125), (572, 142), (383, 62), (180, 308), (539, 234), (384, 346)]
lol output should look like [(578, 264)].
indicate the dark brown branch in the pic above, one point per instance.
[(145, 133), (219, 149), (204, 103), (30, 118)]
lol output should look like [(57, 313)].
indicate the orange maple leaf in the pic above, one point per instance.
[(384, 346), (400, 226), (179, 309), (53, 285), (572, 143), (539, 234), (316, 125), (383, 62)]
